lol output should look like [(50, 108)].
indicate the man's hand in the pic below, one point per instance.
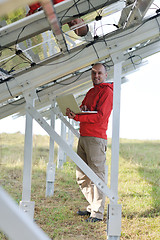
[(69, 113)]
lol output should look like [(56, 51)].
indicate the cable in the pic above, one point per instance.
[(8, 89), (156, 5), (52, 64), (21, 55), (20, 34), (133, 56), (126, 34), (68, 11), (95, 51), (7, 61), (158, 25), (107, 24), (76, 7), (66, 84), (80, 14), (12, 69), (94, 8), (10, 48), (14, 104)]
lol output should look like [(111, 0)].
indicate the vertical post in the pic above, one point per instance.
[(70, 134), (115, 128), (61, 153), (51, 166), (26, 203), (114, 210)]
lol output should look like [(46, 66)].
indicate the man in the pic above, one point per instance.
[(92, 143), (82, 28)]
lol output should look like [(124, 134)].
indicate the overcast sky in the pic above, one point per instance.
[(140, 100)]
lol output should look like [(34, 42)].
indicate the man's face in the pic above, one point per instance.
[(81, 30), (98, 74)]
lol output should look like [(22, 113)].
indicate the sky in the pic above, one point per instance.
[(140, 111)]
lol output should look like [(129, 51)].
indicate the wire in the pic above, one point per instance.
[(76, 7), (131, 56), (158, 25), (126, 34), (7, 61), (80, 13), (94, 8), (12, 69), (8, 89), (10, 48), (156, 5), (16, 104), (24, 58), (64, 15), (66, 84), (20, 34), (95, 51), (52, 64)]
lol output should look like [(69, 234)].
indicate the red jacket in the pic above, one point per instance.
[(34, 7), (100, 99)]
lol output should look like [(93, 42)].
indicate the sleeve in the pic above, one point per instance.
[(104, 107)]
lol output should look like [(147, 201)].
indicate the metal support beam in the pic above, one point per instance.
[(79, 162), (116, 43), (114, 211), (70, 138), (37, 23), (51, 167), (137, 12), (61, 152), (15, 223), (63, 119), (26, 203), (116, 123)]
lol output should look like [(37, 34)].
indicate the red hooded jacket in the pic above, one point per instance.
[(35, 6), (100, 99)]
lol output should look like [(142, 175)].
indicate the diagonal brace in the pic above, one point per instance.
[(79, 162)]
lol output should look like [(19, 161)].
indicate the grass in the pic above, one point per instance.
[(139, 189)]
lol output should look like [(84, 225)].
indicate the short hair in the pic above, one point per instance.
[(97, 63)]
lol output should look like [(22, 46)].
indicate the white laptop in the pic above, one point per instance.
[(69, 101)]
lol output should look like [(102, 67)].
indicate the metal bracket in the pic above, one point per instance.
[(117, 57), (30, 96), (114, 220), (28, 207)]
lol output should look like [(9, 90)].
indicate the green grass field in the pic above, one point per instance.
[(139, 189)]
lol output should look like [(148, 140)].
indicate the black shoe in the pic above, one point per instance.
[(83, 213), (93, 219)]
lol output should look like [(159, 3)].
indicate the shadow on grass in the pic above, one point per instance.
[(145, 157)]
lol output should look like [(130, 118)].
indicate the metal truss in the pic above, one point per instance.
[(40, 85), (70, 84), (37, 23), (79, 58)]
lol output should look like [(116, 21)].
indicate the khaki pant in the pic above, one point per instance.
[(93, 152)]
